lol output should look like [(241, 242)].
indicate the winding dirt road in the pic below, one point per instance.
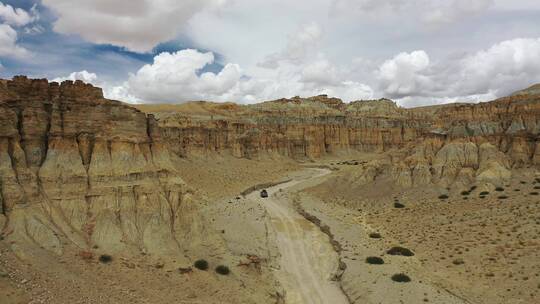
[(308, 260)]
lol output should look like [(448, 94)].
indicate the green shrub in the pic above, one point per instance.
[(223, 270), (398, 205), (375, 235), (499, 189), (443, 196), (105, 258), (400, 251), (401, 278), (201, 264), (374, 260), (484, 193)]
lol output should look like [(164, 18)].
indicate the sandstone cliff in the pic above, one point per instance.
[(457, 143), (77, 169)]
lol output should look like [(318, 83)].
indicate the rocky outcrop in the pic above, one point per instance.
[(438, 144), (77, 168), (81, 170), (313, 127)]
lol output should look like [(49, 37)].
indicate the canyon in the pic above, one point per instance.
[(83, 175)]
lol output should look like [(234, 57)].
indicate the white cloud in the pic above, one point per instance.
[(298, 46), (402, 75), (8, 43), (119, 92), (16, 16), (497, 71), (82, 75), (174, 77), (138, 25), (179, 77), (504, 68)]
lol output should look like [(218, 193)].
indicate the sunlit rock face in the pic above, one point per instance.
[(79, 169), (441, 144)]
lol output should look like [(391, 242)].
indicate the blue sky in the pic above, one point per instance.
[(417, 52)]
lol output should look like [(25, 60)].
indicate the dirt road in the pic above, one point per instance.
[(308, 260)]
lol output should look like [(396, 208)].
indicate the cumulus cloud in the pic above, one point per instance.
[(82, 75), (8, 43), (138, 25), (497, 71), (116, 92), (504, 68), (179, 77), (174, 77), (403, 75), (16, 16)]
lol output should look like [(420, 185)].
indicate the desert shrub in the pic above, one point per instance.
[(499, 189), (400, 251), (533, 193), (537, 187), (484, 193), (443, 196), (399, 205), (375, 235), (458, 262), (105, 258), (223, 270), (472, 188), (401, 278), (374, 260), (201, 264), (465, 193), (503, 197), (482, 196)]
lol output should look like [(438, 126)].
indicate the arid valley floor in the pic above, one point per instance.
[(105, 202)]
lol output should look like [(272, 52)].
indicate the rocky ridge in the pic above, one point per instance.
[(449, 144), (81, 170), (78, 169)]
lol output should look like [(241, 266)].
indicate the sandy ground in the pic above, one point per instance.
[(467, 249), (485, 250), (308, 260), (217, 181), (222, 176)]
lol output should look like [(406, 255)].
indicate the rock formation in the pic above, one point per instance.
[(441, 144), (78, 169)]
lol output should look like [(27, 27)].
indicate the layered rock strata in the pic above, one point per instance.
[(76, 168), (444, 144)]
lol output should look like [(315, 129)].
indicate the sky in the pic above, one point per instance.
[(416, 52)]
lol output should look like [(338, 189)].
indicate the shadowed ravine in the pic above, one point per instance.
[(308, 260)]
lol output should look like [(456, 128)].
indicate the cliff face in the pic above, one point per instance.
[(78, 169), (298, 128), (434, 144)]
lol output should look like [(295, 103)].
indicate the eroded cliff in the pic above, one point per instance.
[(446, 144), (77, 169)]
